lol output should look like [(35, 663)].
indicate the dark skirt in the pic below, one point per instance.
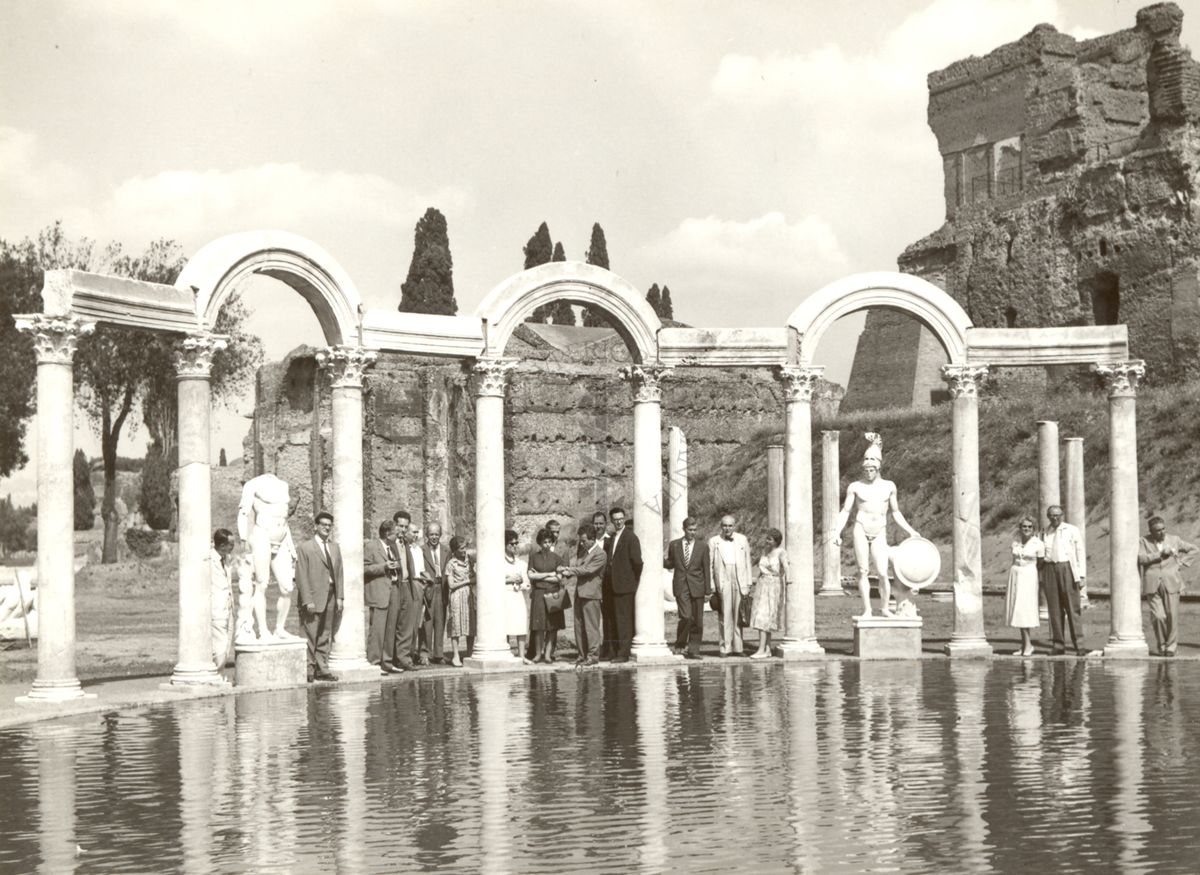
[(541, 620)]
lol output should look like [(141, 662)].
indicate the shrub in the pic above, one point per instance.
[(155, 499), (143, 543)]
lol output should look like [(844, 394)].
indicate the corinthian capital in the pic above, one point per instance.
[(799, 383), (193, 355), (491, 376), (54, 337), (1122, 378), (347, 365), (964, 379), (644, 380)]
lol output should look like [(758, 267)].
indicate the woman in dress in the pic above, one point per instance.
[(459, 577), (1021, 607), (766, 613), (543, 575), (516, 584)]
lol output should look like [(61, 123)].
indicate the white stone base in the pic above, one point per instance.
[(653, 654), (968, 648), (194, 676), (271, 665), (1127, 649), (796, 651), (824, 592), (54, 692), (492, 662), (353, 669), (887, 637)]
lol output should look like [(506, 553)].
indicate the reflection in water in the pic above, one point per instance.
[(813, 767)]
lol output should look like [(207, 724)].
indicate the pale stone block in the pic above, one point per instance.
[(271, 665), (887, 637)]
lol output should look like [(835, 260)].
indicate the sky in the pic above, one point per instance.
[(743, 153)]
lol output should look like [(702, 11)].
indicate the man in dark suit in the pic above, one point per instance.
[(588, 572), (431, 583), (691, 584), (399, 637), (380, 568), (624, 571), (320, 584)]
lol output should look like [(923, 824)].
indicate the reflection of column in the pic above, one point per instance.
[(199, 734), (1129, 821), (193, 369), (491, 646), (1124, 586), (831, 487), (1048, 474), (968, 638), (775, 487), (54, 340), (651, 693), (350, 707), (1074, 505), (346, 366), (495, 837), (800, 637), (970, 750), (268, 729), (677, 480), (57, 744), (649, 641), (804, 762)]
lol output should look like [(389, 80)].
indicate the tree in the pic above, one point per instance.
[(561, 312), (539, 250), (429, 287), (597, 254), (154, 500), (654, 299), (85, 496), (667, 310), (222, 461), (18, 532)]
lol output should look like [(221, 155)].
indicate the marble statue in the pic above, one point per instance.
[(263, 527), (871, 498)]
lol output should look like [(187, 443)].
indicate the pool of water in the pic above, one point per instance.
[(833, 766)]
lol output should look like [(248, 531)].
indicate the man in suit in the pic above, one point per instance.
[(380, 568), (431, 583), (405, 604), (729, 560), (320, 584), (1158, 561), (623, 574), (691, 583), (1062, 574), (588, 573)]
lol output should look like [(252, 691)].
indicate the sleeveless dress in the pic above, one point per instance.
[(516, 617), (460, 623), (766, 614), (541, 620), (1021, 604)]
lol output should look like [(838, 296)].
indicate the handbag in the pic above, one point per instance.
[(557, 600)]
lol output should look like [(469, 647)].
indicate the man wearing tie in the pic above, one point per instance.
[(691, 584), (399, 635), (380, 568), (1062, 574), (729, 559), (588, 573), (624, 572), (319, 582), (432, 584)]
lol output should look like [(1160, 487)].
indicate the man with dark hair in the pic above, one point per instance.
[(221, 588), (691, 584), (1159, 563), (588, 573), (380, 568), (404, 603), (621, 578), (319, 580)]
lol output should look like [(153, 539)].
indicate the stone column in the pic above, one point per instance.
[(968, 638), (491, 646), (54, 340), (800, 636), (347, 366), (1074, 504), (1124, 585), (1048, 473), (649, 641), (193, 370), (677, 481), (775, 487), (831, 494)]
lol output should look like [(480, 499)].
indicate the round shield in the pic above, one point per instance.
[(916, 562)]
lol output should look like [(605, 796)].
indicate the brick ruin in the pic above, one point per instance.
[(1071, 168), (568, 428)]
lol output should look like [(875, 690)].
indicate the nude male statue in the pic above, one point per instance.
[(872, 497), (262, 525)]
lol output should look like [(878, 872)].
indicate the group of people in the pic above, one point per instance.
[(1054, 563)]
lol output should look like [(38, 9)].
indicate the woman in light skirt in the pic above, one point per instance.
[(766, 612), (1021, 605)]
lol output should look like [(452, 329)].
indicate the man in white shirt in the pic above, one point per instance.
[(729, 553), (221, 571), (1062, 574)]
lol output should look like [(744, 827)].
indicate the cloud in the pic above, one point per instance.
[(25, 174)]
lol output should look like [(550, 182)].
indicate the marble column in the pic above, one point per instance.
[(491, 645), (649, 641), (54, 341), (1048, 473), (968, 638), (1074, 504), (775, 486), (1124, 585), (193, 372), (800, 636), (831, 493), (347, 366), (677, 481)]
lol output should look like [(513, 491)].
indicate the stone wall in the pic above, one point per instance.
[(1071, 168)]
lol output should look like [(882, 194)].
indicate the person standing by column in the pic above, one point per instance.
[(399, 635), (691, 584), (729, 553), (588, 573), (433, 583), (319, 580), (1062, 575), (222, 594), (1159, 562), (623, 574), (380, 569)]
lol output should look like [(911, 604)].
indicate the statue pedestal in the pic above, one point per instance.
[(887, 637), (283, 664)]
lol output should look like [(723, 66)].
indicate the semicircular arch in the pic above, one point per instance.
[(220, 266)]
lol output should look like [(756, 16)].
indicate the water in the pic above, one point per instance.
[(929, 766)]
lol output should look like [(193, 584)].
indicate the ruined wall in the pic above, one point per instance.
[(1071, 168)]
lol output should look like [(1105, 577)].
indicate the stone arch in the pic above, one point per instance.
[(508, 304), (214, 272), (898, 291)]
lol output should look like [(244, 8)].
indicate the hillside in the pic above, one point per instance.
[(917, 456)]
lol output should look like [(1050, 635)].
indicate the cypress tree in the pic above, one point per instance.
[(540, 250), (561, 312), (667, 310), (597, 254), (222, 461), (654, 299), (85, 496), (429, 287)]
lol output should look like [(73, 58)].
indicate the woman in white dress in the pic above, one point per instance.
[(516, 584), (1021, 608)]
